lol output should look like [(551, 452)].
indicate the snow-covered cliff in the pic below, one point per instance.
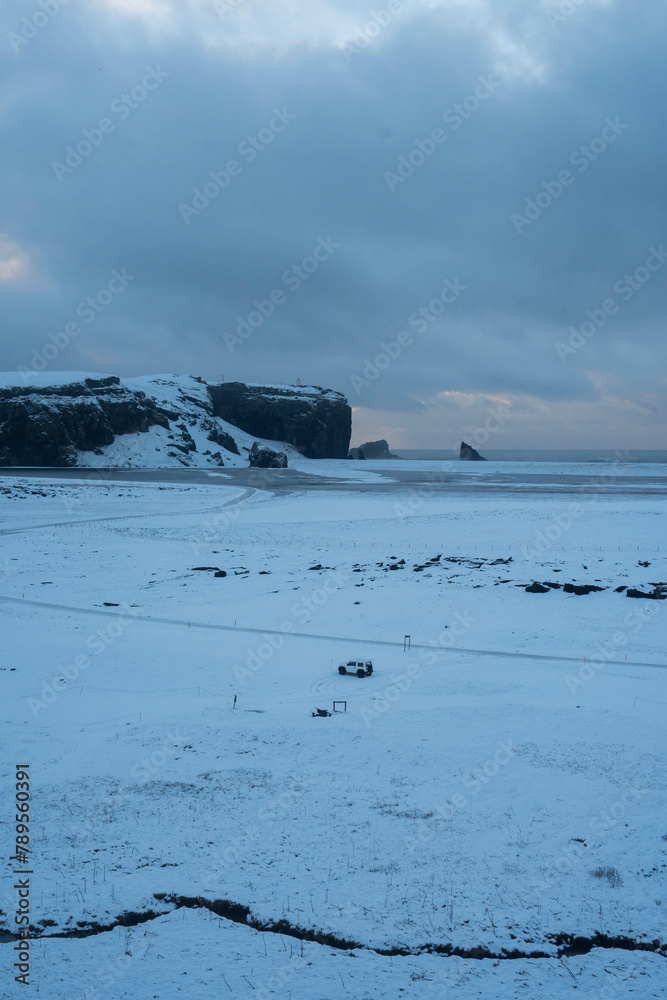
[(162, 421)]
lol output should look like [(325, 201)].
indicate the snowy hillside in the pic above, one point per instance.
[(161, 421)]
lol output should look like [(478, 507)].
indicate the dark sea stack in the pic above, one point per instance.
[(468, 454), (372, 450), (318, 422)]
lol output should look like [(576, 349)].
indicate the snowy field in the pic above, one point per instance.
[(488, 817)]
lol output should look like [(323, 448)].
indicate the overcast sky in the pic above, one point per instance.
[(360, 163)]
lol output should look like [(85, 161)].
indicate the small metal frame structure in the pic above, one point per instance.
[(340, 703), (406, 642)]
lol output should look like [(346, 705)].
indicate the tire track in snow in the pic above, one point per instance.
[(245, 495), (189, 623)]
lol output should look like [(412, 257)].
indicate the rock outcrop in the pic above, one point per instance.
[(75, 419), (468, 454), (372, 449), (266, 458), (49, 426), (317, 421)]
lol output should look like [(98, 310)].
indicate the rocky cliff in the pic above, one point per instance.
[(373, 450), (75, 419), (316, 421), (469, 454)]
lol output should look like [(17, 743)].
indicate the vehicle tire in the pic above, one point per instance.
[(342, 670), (361, 672)]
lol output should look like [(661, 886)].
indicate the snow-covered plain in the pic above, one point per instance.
[(495, 803)]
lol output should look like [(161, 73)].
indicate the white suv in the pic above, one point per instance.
[(358, 667)]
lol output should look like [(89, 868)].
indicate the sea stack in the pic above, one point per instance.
[(372, 449), (468, 454)]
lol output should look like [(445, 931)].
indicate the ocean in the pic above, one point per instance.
[(656, 456)]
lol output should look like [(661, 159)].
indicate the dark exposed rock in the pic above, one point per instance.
[(537, 588), (189, 443), (316, 421), (658, 594), (45, 421), (468, 454), (266, 458), (225, 440), (581, 589), (48, 426), (372, 450)]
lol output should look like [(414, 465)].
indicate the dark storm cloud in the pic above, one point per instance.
[(333, 128)]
